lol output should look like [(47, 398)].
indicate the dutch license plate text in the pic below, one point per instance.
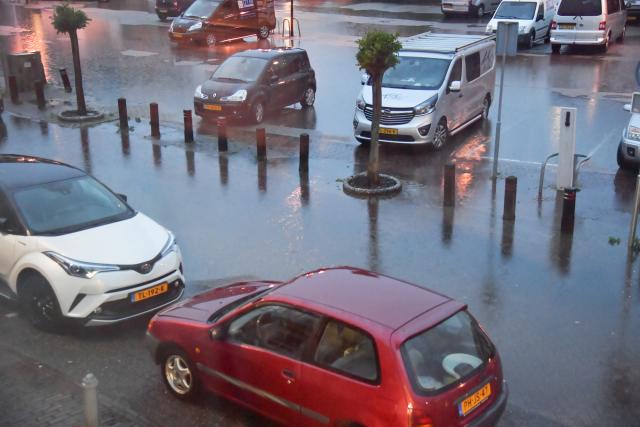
[(471, 402), (150, 292), (388, 131)]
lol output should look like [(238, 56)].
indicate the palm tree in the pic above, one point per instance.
[(68, 20), (377, 52)]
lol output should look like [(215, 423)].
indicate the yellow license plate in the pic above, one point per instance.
[(388, 131), (150, 292), (473, 401), (567, 26), (178, 35), (213, 107)]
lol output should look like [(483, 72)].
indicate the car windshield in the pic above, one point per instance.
[(240, 68), (201, 9), (237, 303), (445, 354), (416, 73), (580, 8), (515, 10), (75, 204)]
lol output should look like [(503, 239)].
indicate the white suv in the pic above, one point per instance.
[(71, 248)]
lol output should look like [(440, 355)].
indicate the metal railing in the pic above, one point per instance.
[(576, 168)]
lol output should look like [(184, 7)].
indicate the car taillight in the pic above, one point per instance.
[(554, 25), (417, 418), (602, 26)]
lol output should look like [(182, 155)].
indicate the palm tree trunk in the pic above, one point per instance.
[(77, 72), (372, 168)]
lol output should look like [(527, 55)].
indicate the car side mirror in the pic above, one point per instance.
[(217, 333), (627, 107), (364, 79), (122, 197), (455, 86), (273, 78)]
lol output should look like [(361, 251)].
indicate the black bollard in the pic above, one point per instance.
[(13, 89), (304, 153), (65, 79), (188, 126), (222, 134), (39, 89), (510, 190), (568, 210), (122, 113), (154, 120), (261, 143), (449, 184)]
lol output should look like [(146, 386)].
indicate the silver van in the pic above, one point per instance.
[(442, 84), (469, 7), (588, 22)]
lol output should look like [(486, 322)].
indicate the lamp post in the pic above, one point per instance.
[(291, 22)]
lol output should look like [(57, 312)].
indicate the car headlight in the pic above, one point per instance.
[(427, 107), (170, 246), (633, 133), (489, 29), (196, 26), (360, 104), (198, 93), (522, 29), (75, 268), (239, 96)]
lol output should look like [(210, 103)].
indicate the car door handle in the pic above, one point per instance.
[(289, 375)]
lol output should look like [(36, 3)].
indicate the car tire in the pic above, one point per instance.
[(308, 97), (621, 37), (480, 11), (486, 106), (179, 374), (605, 47), (39, 303), (257, 111), (440, 135), (210, 39), (547, 38), (555, 48), (531, 41), (263, 32), (162, 17)]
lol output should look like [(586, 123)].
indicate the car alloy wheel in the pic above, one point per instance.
[(486, 104), (263, 32), (211, 39), (40, 304), (177, 373), (309, 97), (258, 112), (440, 135)]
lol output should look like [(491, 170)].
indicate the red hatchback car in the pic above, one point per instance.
[(334, 347)]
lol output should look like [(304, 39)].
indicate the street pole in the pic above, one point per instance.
[(291, 22), (496, 148), (634, 215)]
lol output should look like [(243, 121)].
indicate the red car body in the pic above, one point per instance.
[(316, 376)]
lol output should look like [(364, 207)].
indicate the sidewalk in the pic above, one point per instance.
[(33, 394)]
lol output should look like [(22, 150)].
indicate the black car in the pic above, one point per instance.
[(249, 83), (166, 8)]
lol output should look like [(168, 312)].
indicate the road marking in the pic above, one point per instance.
[(138, 53), (10, 315)]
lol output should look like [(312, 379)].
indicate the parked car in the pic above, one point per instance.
[(441, 84), (214, 21), (533, 18), (249, 83), (70, 248), (588, 22), (633, 9), (628, 155), (165, 8), (468, 7), (339, 347)]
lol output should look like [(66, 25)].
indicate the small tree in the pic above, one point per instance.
[(68, 20), (377, 52)]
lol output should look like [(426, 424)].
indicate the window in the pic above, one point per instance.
[(348, 350), (487, 59), (279, 67), (580, 8), (540, 15), (446, 354), (277, 328), (613, 6), (473, 66), (456, 72), (416, 73), (6, 214)]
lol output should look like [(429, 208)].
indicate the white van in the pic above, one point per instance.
[(588, 22), (468, 7), (442, 84), (533, 17)]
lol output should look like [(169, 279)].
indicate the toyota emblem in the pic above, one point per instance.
[(145, 268)]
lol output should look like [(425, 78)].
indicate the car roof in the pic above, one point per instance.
[(18, 171), (386, 301), (269, 53)]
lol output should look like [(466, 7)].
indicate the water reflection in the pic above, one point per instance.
[(86, 151), (44, 128), (191, 162), (3, 131), (372, 211), (223, 165), (304, 187), (561, 243), (506, 246), (157, 154), (124, 138), (447, 224), (262, 175)]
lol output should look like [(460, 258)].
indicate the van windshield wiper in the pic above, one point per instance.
[(231, 79)]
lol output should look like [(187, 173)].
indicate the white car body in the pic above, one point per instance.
[(468, 7), (629, 148), (141, 254), (538, 24)]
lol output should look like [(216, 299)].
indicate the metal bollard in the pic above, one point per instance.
[(188, 126), (304, 153), (90, 385), (261, 143), (634, 214), (510, 191), (39, 89), (222, 134), (122, 113), (13, 89), (154, 120), (65, 80), (568, 210), (449, 184)]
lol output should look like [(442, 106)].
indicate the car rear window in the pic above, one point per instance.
[(580, 8), (446, 354)]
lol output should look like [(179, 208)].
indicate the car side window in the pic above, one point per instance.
[(456, 72), (473, 66), (540, 12), (279, 67), (7, 215), (296, 65), (347, 350), (276, 328)]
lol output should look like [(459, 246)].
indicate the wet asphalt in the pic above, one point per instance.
[(562, 309)]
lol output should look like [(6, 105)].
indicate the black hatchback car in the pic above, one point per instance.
[(252, 82)]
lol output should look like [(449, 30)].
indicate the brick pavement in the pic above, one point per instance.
[(34, 394)]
